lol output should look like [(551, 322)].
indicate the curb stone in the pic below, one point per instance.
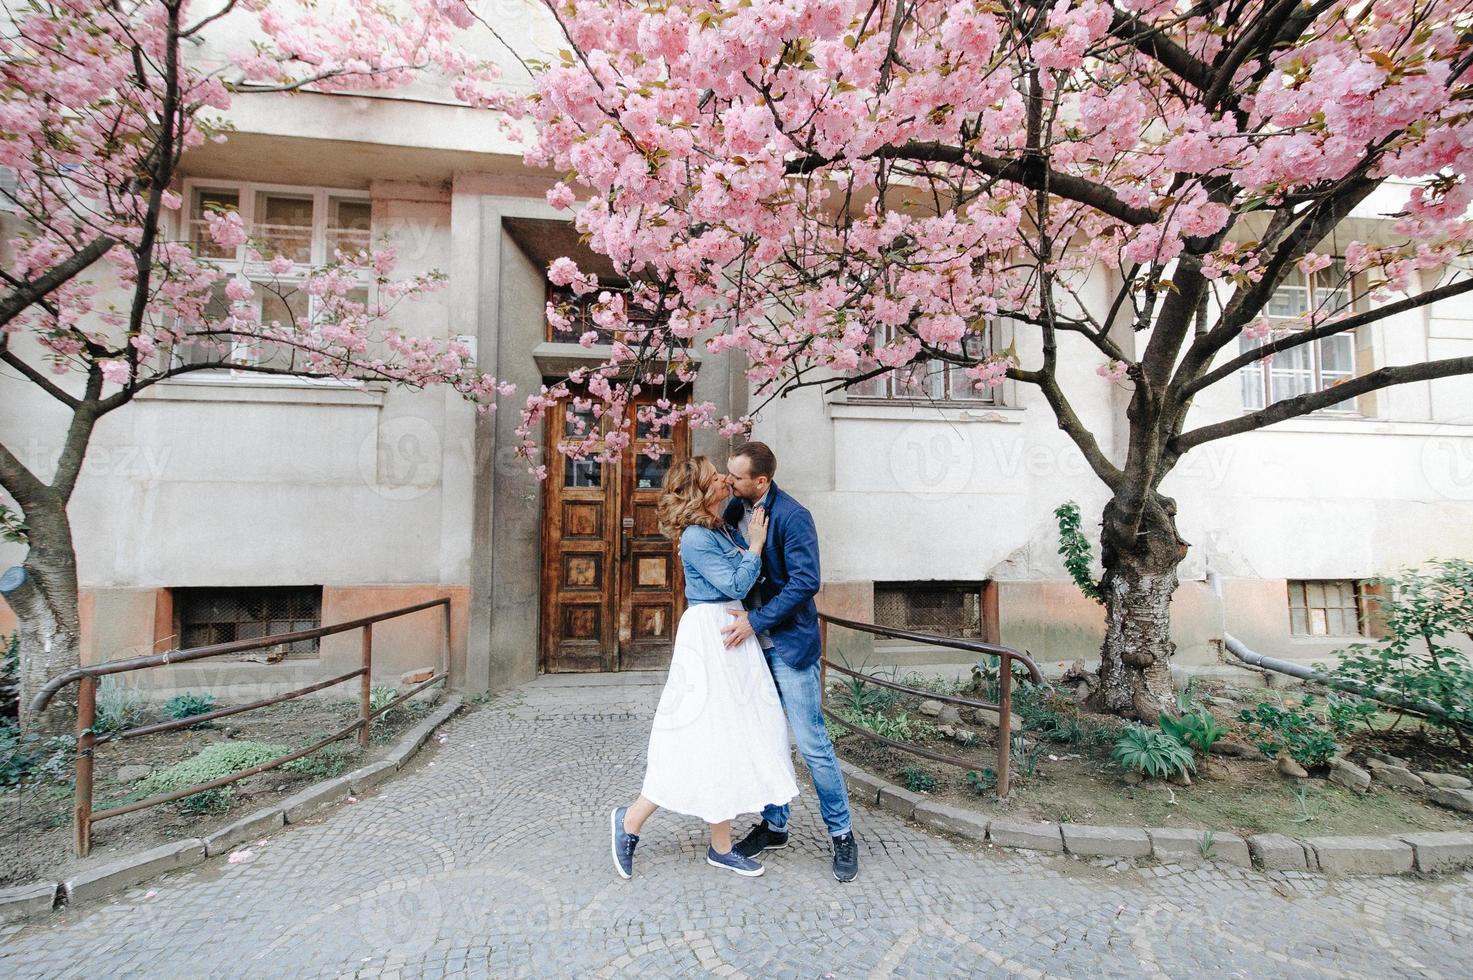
[(1399, 854), (26, 900), (1361, 855), (1176, 845), (122, 873), (250, 826), (951, 819), (23, 900)]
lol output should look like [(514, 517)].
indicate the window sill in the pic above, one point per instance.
[(1361, 425), (925, 411), (223, 386)]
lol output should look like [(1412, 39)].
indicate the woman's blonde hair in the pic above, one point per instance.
[(683, 501)]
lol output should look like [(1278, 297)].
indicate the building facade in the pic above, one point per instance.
[(225, 504)]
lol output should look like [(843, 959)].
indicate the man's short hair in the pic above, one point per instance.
[(759, 456)]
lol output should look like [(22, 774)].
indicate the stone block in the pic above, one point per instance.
[(1174, 845), (899, 801), (116, 875), (1090, 841), (862, 786), (365, 779), (1275, 852), (951, 819), (1453, 799), (410, 742), (1441, 851), (412, 677), (315, 798), (1396, 776), (26, 900), (1361, 855), (1345, 773), (1025, 834), (987, 716), (1446, 780), (250, 827)]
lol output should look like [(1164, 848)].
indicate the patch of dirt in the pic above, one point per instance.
[(36, 822), (1078, 782)]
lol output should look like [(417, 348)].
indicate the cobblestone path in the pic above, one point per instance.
[(491, 858)]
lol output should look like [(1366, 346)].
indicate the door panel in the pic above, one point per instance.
[(612, 588)]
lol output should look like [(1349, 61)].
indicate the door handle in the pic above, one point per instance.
[(626, 526)]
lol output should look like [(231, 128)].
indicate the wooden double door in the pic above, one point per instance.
[(612, 588)]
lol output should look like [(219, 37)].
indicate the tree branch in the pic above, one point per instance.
[(32, 291), (1314, 401)]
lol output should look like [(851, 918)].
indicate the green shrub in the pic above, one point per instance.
[(1153, 752), (1075, 549), (899, 727), (210, 763), (118, 708), (188, 705), (1275, 728), (917, 780), (983, 782), (217, 800), (325, 763), (10, 679), (1197, 728), (34, 758), (1424, 613)]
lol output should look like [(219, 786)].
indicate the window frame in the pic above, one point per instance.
[(1263, 369), (182, 596), (854, 395), (247, 193), (1360, 594)]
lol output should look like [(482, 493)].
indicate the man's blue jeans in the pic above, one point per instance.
[(800, 692)]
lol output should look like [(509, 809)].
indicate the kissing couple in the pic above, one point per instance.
[(746, 653)]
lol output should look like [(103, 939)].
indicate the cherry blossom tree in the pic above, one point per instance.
[(835, 189), (103, 291)]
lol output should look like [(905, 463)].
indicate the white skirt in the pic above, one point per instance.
[(719, 745)]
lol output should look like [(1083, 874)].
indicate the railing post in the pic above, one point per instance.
[(1004, 725), (445, 664), (823, 657), (86, 740), (367, 684)]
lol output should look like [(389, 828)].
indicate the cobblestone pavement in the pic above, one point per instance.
[(491, 858)]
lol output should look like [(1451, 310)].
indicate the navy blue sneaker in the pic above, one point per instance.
[(622, 843), (732, 861)]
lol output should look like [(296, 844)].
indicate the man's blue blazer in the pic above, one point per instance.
[(789, 579)]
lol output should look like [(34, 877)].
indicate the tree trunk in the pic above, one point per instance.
[(1140, 561), (49, 623)]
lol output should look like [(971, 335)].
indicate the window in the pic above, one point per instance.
[(929, 380), (305, 225), (579, 311), (1336, 607), (945, 608), (1308, 367), (207, 616)]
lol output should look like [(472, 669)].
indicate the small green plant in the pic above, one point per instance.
[(1345, 711), (899, 727), (325, 763), (217, 800), (189, 705), (118, 707), (210, 763), (983, 782), (1205, 845), (13, 526), (1024, 756), (917, 780), (1153, 752), (1197, 728), (1075, 549), (1186, 698), (1307, 812), (1275, 728)]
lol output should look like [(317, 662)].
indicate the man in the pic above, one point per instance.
[(781, 612)]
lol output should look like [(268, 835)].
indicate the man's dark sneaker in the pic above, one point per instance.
[(846, 857), (732, 861), (622, 843), (762, 838)]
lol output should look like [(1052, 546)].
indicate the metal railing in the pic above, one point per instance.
[(1003, 707), (88, 740)]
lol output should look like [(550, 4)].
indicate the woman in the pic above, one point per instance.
[(719, 746)]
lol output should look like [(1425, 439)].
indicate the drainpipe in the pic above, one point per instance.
[(1239, 649)]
